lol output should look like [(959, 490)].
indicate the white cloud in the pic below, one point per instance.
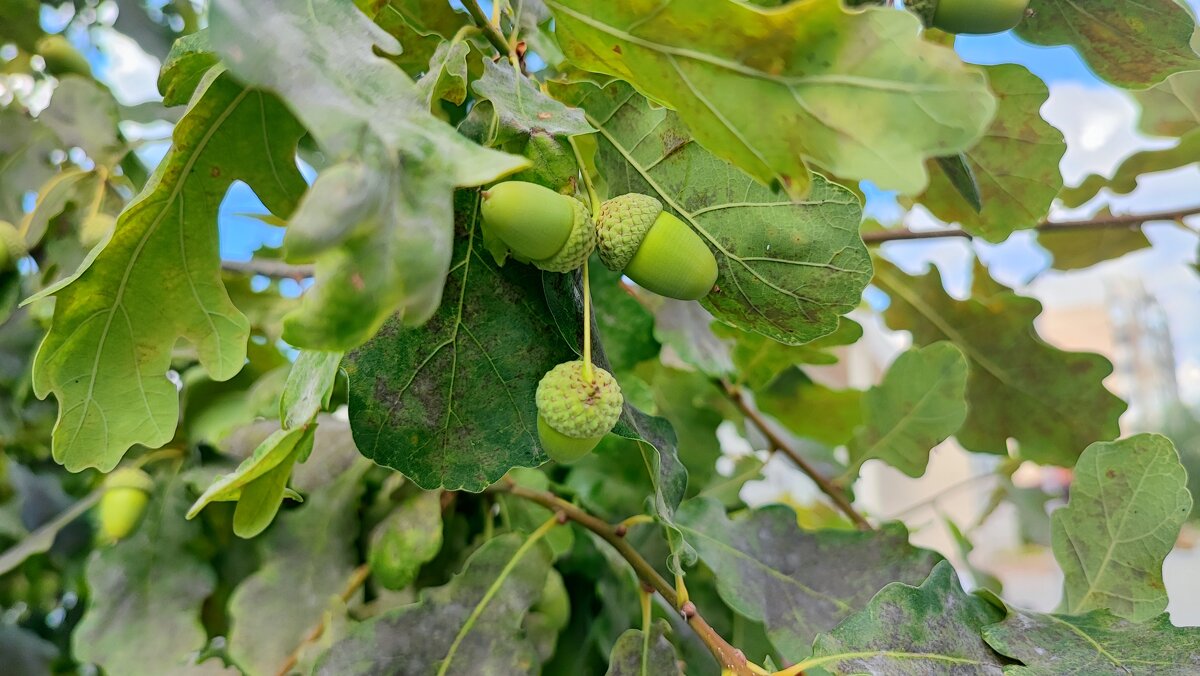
[(131, 73)]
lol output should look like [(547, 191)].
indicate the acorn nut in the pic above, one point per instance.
[(970, 17), (126, 493), (654, 248), (575, 413), (550, 230)]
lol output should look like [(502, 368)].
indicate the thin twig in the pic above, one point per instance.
[(1122, 221), (490, 30), (269, 268), (729, 657), (353, 583), (779, 444)]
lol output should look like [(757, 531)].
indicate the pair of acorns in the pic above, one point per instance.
[(578, 403)]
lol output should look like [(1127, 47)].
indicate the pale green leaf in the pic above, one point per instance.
[(638, 653), (1095, 643), (25, 164), (147, 590), (1128, 502), (25, 653), (770, 91), (280, 448), (419, 25), (522, 107), (1130, 44), (797, 583), (306, 560), (309, 387), (788, 270), (52, 198), (84, 114), (1015, 163), (919, 404), (1169, 108), (190, 58), (928, 630), (471, 625), (1052, 402), (158, 279)]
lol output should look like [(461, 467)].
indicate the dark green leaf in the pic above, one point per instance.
[(759, 358), (451, 404), (158, 279), (1096, 643), (812, 410), (1053, 403), (1128, 502), (797, 583), (962, 178), (916, 631), (1078, 249)]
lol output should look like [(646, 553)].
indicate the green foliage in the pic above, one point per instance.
[(388, 326), (1127, 504)]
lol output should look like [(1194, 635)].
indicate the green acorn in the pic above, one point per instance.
[(969, 17), (575, 413), (654, 248), (12, 245), (550, 230), (126, 493)]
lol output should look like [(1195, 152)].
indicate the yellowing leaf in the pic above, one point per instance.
[(1015, 164), (158, 279), (777, 90), (1130, 44)]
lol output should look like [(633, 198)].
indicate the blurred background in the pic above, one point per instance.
[(1140, 311)]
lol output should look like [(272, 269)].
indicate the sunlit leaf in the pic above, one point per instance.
[(722, 65), (158, 279), (1169, 108)]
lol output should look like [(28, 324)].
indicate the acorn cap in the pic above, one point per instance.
[(579, 245), (622, 225), (575, 407)]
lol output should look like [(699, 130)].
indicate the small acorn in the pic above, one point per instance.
[(540, 226), (574, 413), (12, 245), (641, 240), (126, 493), (970, 17)]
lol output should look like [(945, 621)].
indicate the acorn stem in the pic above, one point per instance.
[(587, 178), (587, 325)]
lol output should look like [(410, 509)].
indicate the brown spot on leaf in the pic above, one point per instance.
[(544, 116), (215, 172), (617, 49)]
